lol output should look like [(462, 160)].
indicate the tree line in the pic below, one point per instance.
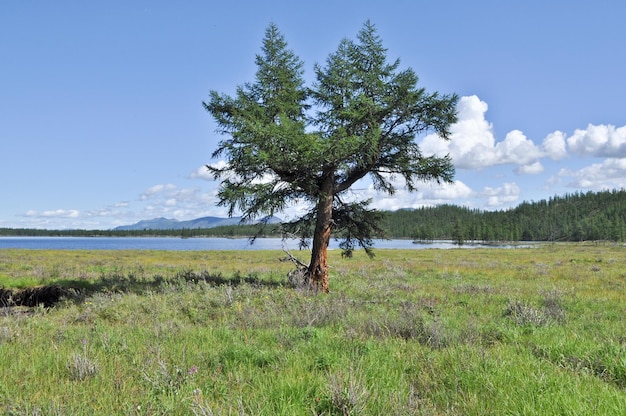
[(234, 231), (572, 217)]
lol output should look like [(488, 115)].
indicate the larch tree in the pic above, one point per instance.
[(292, 144)]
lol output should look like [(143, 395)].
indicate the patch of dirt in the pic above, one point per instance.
[(34, 296)]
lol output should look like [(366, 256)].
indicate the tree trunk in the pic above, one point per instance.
[(318, 267)]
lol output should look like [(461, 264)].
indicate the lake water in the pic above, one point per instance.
[(172, 243)]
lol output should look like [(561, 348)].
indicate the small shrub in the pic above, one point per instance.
[(6, 334), (169, 379), (409, 326), (316, 312), (346, 394), (471, 289), (606, 362), (523, 314), (553, 309), (411, 404), (542, 269), (81, 367), (298, 279)]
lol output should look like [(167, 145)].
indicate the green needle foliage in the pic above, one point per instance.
[(288, 143)]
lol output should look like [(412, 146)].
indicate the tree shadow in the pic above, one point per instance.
[(77, 290), (47, 296)]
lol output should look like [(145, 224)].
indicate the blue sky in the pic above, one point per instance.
[(101, 122)]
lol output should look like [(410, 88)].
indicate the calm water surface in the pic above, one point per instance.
[(167, 243)]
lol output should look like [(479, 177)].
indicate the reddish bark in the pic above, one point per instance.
[(318, 267)]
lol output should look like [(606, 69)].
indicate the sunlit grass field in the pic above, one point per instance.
[(527, 331)]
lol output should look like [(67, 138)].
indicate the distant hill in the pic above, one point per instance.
[(173, 224)]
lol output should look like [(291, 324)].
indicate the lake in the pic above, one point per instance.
[(173, 243)]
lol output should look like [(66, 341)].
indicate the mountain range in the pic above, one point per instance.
[(174, 224)]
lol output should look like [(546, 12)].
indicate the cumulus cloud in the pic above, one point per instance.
[(609, 174), (517, 149), (554, 145), (448, 191), (501, 195), (532, 169), (155, 190), (601, 140), (203, 173), (473, 144), (429, 194)]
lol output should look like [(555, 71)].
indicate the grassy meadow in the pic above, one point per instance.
[(528, 331)]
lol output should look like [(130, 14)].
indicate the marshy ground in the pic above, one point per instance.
[(431, 332)]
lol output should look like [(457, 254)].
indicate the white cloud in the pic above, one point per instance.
[(554, 145), (59, 213), (169, 194), (472, 140), (516, 149), (502, 195), (473, 145), (610, 174), (181, 203), (532, 169), (153, 191), (104, 212), (429, 194), (601, 140), (203, 173), (163, 200), (448, 191)]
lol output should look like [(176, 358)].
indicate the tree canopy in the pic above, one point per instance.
[(288, 144)]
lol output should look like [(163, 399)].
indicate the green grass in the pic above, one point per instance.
[(427, 332)]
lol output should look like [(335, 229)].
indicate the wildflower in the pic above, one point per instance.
[(192, 370)]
